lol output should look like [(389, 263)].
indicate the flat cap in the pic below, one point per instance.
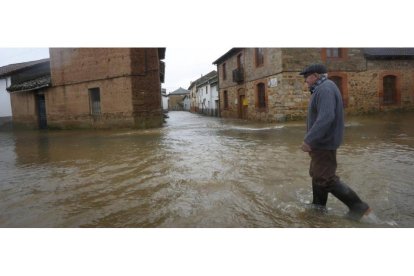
[(314, 68)]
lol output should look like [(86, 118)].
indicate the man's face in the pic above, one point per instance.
[(311, 79)]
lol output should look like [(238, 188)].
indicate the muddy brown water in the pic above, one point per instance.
[(199, 171)]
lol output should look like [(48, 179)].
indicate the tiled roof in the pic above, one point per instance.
[(227, 55), (33, 84), (203, 79), (179, 91), (389, 52), (11, 68)]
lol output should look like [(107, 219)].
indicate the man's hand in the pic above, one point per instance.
[(305, 147)]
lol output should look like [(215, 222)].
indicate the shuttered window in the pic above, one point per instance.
[(261, 95), (259, 57), (226, 99), (95, 101)]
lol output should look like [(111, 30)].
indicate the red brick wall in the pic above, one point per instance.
[(129, 83), (74, 65)]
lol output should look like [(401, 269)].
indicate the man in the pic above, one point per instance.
[(325, 128)]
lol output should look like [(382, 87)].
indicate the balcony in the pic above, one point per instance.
[(238, 75)]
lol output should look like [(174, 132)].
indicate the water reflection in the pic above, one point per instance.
[(200, 172)]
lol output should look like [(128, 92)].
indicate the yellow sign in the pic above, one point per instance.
[(245, 102)]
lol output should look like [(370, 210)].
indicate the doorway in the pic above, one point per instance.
[(243, 104), (41, 111)]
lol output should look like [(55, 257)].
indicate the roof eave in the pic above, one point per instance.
[(29, 89), (227, 55)]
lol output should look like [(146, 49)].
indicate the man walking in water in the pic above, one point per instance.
[(325, 128)]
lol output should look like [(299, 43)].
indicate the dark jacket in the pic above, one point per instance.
[(325, 122)]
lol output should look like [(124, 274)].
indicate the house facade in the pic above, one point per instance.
[(92, 88), (176, 99), (264, 84), (6, 73), (204, 95)]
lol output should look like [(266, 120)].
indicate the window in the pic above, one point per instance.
[(333, 53), (338, 54), (226, 99), (261, 96), (259, 57), (95, 101), (390, 89), (239, 61), (224, 71)]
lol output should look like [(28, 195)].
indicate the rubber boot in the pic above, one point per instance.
[(357, 207), (320, 195)]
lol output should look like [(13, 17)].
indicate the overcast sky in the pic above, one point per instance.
[(183, 64)]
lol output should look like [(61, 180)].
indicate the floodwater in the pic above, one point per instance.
[(199, 171)]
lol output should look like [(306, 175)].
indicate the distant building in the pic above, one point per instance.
[(90, 88), (176, 99), (264, 84), (5, 82), (204, 94)]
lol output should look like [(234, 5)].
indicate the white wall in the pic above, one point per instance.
[(5, 105), (164, 102), (187, 103), (206, 99)]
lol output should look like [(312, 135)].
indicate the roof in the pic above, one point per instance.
[(227, 55), (39, 82), (385, 53), (11, 68), (179, 91), (203, 79)]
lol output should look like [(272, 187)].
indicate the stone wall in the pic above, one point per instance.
[(287, 95)]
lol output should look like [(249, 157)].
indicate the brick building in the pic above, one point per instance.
[(176, 99), (92, 88), (263, 84)]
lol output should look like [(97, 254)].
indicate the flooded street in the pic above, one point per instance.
[(201, 171)]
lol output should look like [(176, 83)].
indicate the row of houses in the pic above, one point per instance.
[(87, 88), (121, 87), (264, 84), (200, 97), (203, 96)]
